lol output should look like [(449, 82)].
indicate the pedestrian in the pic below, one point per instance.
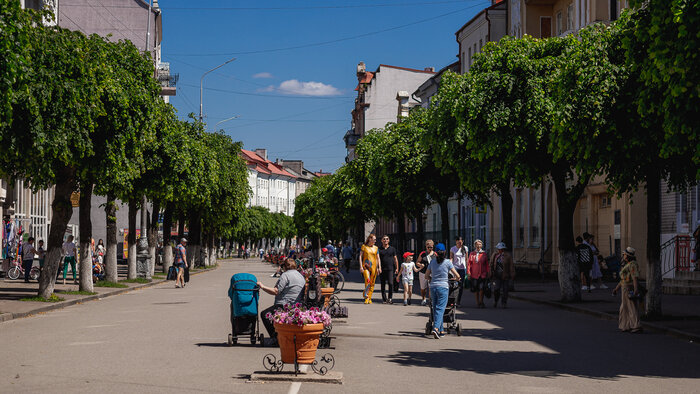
[(437, 274), (458, 256), (69, 253), (408, 267), (288, 290), (389, 266), (370, 266), (28, 252), (422, 265), (628, 320), (478, 272), (502, 273), (584, 257), (100, 250), (42, 253), (596, 273), (330, 247), (180, 262), (347, 256)]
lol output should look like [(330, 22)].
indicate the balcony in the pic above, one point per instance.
[(351, 138)]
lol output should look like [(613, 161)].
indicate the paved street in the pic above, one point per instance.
[(163, 339)]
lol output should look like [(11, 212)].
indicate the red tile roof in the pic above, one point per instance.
[(262, 165)]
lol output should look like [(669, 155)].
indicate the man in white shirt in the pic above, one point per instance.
[(28, 252)]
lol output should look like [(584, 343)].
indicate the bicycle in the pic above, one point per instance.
[(17, 270)]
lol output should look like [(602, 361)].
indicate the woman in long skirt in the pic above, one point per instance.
[(629, 315)]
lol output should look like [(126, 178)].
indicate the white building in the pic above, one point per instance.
[(377, 95), (487, 25), (272, 186)]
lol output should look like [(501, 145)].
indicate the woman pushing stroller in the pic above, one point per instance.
[(438, 275)]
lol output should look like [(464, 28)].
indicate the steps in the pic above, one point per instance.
[(684, 283)]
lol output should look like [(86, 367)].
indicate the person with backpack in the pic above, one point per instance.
[(584, 257), (181, 263)]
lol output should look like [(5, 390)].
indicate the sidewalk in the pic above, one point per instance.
[(12, 291), (681, 312)]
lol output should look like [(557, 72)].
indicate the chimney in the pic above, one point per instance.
[(262, 153), (431, 69)]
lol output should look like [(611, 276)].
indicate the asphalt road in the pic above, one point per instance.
[(167, 340)]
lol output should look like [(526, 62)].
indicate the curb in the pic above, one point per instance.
[(694, 338), (11, 316)]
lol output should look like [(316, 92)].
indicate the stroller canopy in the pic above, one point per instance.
[(244, 294)]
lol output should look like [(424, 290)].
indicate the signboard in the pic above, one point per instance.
[(75, 200), (481, 208), (126, 241)]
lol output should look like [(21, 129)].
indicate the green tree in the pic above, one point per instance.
[(54, 114)]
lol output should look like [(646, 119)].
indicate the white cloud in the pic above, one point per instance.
[(263, 75), (302, 88)]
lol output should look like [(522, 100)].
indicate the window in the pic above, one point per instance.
[(605, 201), (469, 57), (613, 10), (570, 17), (559, 23), (682, 208), (582, 13), (535, 217), (434, 222), (481, 44)]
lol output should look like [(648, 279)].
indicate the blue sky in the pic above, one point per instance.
[(297, 102)]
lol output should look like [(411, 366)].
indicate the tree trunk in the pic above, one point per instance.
[(445, 219), (420, 232), (61, 212), (214, 250), (131, 239), (180, 226), (653, 298), (194, 239), (110, 258), (507, 215), (401, 234), (569, 277), (317, 246), (153, 235), (85, 238), (167, 228), (205, 253)]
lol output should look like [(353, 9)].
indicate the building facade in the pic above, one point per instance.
[(377, 96), (303, 175), (272, 186)]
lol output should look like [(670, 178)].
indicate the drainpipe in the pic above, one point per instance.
[(488, 34)]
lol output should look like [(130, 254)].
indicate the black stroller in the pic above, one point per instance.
[(449, 319), (244, 294)]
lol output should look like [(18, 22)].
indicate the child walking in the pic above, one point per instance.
[(408, 267)]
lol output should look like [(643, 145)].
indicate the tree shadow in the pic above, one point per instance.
[(582, 351)]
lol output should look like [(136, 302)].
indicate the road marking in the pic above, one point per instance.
[(296, 386)]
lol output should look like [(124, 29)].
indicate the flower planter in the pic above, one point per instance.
[(306, 341), (327, 292)]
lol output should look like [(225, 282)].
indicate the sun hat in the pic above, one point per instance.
[(630, 251), (501, 245), (183, 240), (407, 254), (440, 247)]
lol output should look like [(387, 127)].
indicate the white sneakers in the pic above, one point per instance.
[(602, 286), (584, 287)]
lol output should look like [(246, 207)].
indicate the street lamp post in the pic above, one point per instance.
[(226, 120), (201, 84)]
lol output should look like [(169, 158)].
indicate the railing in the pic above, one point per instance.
[(675, 255)]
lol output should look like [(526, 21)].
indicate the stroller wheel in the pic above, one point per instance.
[(428, 328), (459, 330), (262, 340), (230, 340)]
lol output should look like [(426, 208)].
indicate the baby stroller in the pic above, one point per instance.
[(449, 319), (244, 294)]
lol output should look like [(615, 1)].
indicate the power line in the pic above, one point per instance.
[(332, 41), (272, 95), (301, 8), (286, 116)]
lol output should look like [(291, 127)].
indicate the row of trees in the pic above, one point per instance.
[(258, 227), (617, 100), (83, 114)]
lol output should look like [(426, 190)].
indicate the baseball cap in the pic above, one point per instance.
[(501, 245), (440, 247), (407, 254)]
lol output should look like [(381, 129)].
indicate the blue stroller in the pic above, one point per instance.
[(244, 294)]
